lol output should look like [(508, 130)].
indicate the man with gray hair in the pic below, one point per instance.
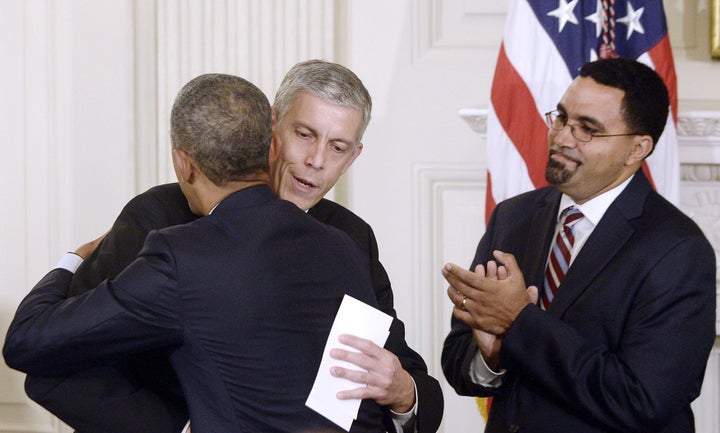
[(320, 113), (236, 298)]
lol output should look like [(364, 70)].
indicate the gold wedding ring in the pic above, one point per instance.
[(462, 304)]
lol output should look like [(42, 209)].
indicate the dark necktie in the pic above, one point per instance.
[(560, 255)]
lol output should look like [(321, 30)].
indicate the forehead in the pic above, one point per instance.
[(317, 113), (587, 98)]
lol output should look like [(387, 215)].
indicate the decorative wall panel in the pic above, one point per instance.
[(256, 39), (449, 207), (457, 24)]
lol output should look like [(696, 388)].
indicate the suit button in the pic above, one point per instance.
[(514, 428)]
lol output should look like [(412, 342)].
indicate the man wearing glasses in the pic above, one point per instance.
[(591, 303)]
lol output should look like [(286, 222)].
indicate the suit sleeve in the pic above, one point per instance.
[(52, 335), (104, 400), (430, 398), (113, 397), (138, 311)]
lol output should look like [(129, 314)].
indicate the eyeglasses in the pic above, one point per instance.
[(558, 122)]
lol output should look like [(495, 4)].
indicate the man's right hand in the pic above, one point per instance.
[(489, 344), (85, 250)]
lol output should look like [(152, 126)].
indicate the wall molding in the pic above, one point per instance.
[(176, 40), (448, 204), (36, 157), (439, 24), (433, 183)]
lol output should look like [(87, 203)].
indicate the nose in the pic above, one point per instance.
[(315, 157), (563, 137)]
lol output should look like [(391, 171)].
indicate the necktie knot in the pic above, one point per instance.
[(570, 216)]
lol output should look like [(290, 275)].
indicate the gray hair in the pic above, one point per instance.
[(330, 81), (223, 122)]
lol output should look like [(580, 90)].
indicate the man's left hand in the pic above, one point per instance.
[(385, 381)]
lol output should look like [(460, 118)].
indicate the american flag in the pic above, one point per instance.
[(544, 44)]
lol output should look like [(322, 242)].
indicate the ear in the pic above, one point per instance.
[(356, 152), (274, 149), (183, 165), (642, 145), (274, 146)]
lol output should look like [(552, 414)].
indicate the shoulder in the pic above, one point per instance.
[(524, 202), (169, 193), (164, 205), (327, 209), (333, 214), (329, 212), (648, 211), (659, 216)]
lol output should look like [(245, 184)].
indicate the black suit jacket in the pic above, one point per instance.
[(430, 398), (131, 394), (624, 345), (142, 393), (243, 298)]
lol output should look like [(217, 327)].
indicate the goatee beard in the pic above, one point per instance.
[(556, 173)]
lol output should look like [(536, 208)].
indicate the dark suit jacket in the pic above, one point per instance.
[(243, 298), (623, 346), (140, 393), (124, 397), (430, 398)]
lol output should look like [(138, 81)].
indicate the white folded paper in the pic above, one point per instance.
[(353, 318)]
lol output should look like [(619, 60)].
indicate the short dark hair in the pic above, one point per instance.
[(224, 123), (646, 103)]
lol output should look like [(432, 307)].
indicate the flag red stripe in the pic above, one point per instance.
[(661, 55), (514, 107), (489, 199)]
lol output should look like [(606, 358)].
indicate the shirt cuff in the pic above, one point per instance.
[(481, 374), (186, 428), (70, 262), (403, 421)]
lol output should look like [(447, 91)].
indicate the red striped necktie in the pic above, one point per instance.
[(560, 254)]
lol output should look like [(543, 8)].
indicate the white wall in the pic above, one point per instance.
[(86, 87), (67, 137)]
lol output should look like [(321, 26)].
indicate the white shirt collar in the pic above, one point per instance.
[(595, 208)]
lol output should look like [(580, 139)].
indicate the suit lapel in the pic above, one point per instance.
[(611, 233), (540, 236)]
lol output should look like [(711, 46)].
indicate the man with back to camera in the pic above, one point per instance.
[(236, 297), (320, 113), (619, 340)]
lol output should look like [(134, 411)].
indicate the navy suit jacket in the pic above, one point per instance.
[(624, 344), (143, 392), (242, 299)]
